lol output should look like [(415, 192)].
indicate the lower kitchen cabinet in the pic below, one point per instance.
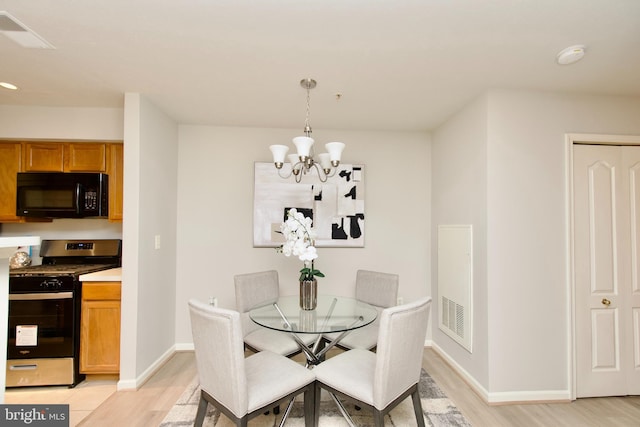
[(100, 328)]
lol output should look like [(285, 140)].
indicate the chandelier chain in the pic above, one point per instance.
[(307, 128)]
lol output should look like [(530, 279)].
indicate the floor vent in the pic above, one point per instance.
[(455, 286)]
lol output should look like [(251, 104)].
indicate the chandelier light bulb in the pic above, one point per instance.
[(335, 151), (279, 152), (325, 161), (295, 163), (303, 145)]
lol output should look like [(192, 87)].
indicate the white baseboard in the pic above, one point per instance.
[(185, 346), (542, 396), (144, 377), (470, 380), (506, 396)]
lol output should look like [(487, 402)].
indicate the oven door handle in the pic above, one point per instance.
[(40, 296)]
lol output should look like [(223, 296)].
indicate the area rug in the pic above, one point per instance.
[(438, 411)]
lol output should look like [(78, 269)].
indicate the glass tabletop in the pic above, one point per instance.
[(333, 314)]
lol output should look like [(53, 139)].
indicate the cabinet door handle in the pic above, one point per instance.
[(606, 302)]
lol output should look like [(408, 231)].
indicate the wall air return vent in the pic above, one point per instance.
[(453, 317), (455, 285)]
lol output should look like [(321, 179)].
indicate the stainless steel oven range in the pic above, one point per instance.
[(44, 311)]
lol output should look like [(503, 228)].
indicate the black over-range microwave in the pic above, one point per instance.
[(62, 195)]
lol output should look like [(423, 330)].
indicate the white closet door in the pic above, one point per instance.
[(606, 206)]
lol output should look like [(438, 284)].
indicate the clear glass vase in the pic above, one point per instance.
[(308, 294)]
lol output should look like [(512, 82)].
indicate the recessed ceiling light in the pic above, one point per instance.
[(7, 85), (570, 54)]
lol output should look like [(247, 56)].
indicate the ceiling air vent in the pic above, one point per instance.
[(20, 33)]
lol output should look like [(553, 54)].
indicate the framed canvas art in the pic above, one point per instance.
[(335, 206)]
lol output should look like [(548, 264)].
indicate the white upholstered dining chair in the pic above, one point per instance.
[(375, 288), (242, 388), (380, 381), (256, 290)]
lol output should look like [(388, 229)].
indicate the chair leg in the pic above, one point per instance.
[(202, 411), (310, 405), (417, 407), (378, 418), (316, 405)]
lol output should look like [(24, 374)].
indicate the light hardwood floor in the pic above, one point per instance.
[(596, 412), (149, 405)]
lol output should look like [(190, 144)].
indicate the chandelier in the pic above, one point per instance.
[(303, 162)]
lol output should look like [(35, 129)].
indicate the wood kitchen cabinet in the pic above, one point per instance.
[(42, 157), (9, 167), (115, 167), (100, 328), (85, 157), (64, 157)]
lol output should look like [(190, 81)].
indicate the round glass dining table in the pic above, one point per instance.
[(332, 314)]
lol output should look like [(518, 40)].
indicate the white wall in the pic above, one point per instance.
[(215, 214), (149, 273), (103, 124), (459, 196), (527, 310)]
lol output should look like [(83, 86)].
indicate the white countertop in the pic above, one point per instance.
[(111, 275)]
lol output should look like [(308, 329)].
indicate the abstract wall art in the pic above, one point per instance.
[(335, 206)]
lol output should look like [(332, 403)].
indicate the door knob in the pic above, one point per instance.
[(606, 302)]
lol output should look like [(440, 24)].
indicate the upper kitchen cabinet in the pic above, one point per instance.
[(42, 157), (9, 168), (64, 157), (85, 157), (115, 168)]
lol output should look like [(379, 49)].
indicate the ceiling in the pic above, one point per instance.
[(398, 64)]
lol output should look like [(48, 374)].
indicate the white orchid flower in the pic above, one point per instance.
[(299, 241)]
